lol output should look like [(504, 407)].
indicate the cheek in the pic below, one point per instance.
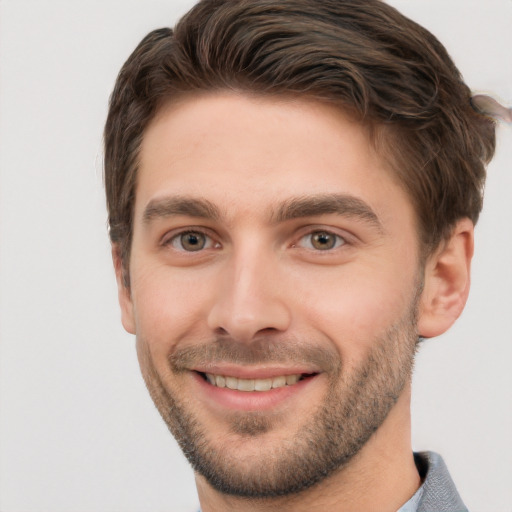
[(169, 305), (354, 309)]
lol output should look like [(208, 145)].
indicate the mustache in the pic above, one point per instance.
[(257, 353)]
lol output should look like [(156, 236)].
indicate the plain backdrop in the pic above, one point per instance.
[(78, 431)]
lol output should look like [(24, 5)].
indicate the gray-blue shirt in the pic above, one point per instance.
[(438, 492)]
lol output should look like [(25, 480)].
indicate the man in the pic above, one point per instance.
[(292, 190)]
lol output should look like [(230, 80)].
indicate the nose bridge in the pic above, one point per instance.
[(249, 299)]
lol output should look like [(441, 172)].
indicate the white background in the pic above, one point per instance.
[(78, 432)]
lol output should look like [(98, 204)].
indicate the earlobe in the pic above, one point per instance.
[(447, 281), (123, 291)]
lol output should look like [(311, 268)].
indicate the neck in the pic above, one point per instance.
[(382, 476)]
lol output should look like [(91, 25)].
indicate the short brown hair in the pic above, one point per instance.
[(361, 55)]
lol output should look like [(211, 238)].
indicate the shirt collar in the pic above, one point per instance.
[(438, 492)]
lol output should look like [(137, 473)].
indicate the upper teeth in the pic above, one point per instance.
[(222, 381)]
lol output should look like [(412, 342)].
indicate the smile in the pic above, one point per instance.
[(235, 383)]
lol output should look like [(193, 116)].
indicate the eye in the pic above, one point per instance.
[(321, 241), (191, 241)]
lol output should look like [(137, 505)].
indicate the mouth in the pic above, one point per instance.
[(248, 385), (244, 389)]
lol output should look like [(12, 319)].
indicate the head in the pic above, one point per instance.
[(398, 82), (351, 111)]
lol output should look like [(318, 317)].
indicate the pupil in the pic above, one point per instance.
[(193, 241), (323, 241)]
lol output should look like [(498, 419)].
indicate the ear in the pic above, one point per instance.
[(447, 280), (123, 291)]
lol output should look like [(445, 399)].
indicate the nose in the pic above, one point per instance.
[(251, 299)]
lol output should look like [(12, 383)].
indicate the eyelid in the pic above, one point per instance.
[(339, 242), (341, 234), (170, 236)]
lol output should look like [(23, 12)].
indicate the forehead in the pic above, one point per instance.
[(250, 154)]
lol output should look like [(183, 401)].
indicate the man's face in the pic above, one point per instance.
[(274, 288)]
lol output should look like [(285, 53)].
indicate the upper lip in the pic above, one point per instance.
[(253, 372)]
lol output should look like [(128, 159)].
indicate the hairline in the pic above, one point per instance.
[(377, 132)]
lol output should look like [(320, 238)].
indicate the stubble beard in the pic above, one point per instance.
[(356, 405)]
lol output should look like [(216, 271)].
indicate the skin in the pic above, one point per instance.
[(263, 289)]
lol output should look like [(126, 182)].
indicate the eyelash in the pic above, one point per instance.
[(209, 242), (177, 238), (339, 240)]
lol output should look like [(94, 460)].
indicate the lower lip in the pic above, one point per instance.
[(251, 400)]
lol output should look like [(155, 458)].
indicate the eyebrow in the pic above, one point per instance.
[(180, 205), (325, 204), (294, 208)]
